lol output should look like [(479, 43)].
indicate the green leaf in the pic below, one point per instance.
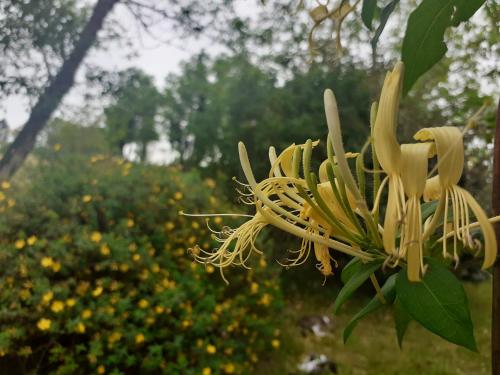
[(439, 303), (423, 43), (402, 320), (465, 9), (356, 280), (368, 11), (388, 290), (428, 209), (350, 269), (384, 16)]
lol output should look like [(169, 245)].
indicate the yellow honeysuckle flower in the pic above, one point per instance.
[(327, 208), (414, 166), (450, 154), (388, 153)]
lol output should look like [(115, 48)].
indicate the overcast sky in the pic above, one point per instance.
[(154, 57)]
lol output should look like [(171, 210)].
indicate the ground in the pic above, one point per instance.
[(373, 349)]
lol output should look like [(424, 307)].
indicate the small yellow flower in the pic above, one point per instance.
[(211, 349), (101, 370), (47, 297), (136, 257), (169, 226), (86, 314), (80, 328), (46, 262), (178, 196), (265, 300), (218, 220), (5, 185), (19, 244), (159, 309), (96, 237), (57, 306), (254, 288), (206, 371), (87, 198), (70, 302), (114, 337), (57, 147), (124, 267), (210, 182), (97, 291), (105, 250), (229, 368), (139, 338), (143, 303), (44, 324), (210, 269), (275, 343), (155, 268), (56, 266), (130, 223), (31, 240)]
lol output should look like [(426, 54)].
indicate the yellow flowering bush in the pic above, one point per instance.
[(96, 277)]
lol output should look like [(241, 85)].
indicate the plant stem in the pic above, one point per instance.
[(495, 313)]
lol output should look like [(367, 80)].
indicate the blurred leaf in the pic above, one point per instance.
[(388, 290), (465, 9), (368, 11), (356, 280), (402, 320), (384, 16), (423, 43), (439, 303)]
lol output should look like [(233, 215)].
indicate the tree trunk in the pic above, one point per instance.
[(53, 94), (495, 315)]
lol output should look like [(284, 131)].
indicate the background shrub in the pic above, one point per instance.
[(96, 278)]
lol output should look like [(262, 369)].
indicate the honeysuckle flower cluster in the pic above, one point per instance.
[(329, 210)]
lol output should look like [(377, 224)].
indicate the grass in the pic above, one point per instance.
[(373, 348)]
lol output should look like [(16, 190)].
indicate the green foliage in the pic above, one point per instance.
[(96, 276), (368, 11), (402, 320), (212, 106), (354, 282), (350, 269), (35, 37), (77, 139), (439, 303), (387, 290), (423, 44), (385, 13), (132, 116)]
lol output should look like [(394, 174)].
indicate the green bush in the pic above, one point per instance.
[(96, 277)]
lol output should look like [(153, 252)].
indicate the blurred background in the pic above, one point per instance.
[(117, 114)]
